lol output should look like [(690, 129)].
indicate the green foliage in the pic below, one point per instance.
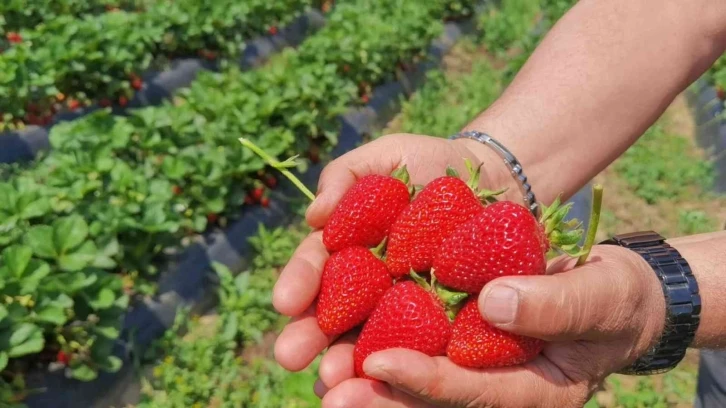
[(444, 105), (504, 26), (695, 222), (718, 72), (656, 169), (97, 56), (21, 14), (207, 367)]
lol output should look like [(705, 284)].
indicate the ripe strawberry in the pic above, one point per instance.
[(365, 213), (720, 93), (137, 83), (353, 282), (14, 37), (62, 357), (176, 190), (408, 316), (270, 181), (104, 102), (212, 218), (416, 235), (272, 30), (257, 193), (475, 343), (123, 101), (73, 104), (365, 98), (503, 239), (265, 202)]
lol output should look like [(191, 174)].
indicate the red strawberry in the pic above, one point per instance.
[(265, 202), (475, 343), (504, 239), (353, 282), (365, 213), (123, 101), (14, 37), (105, 102), (137, 83), (73, 104), (176, 190), (62, 357), (365, 98), (272, 30), (270, 181), (212, 218), (720, 93), (408, 316), (257, 193), (415, 237)]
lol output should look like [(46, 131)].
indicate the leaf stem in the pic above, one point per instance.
[(282, 167), (597, 191)]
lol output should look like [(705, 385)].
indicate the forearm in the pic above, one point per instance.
[(706, 254), (599, 79)]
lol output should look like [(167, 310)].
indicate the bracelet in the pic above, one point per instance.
[(511, 162)]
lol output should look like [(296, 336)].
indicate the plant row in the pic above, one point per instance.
[(229, 364), (718, 76), (117, 195), (68, 62), (17, 15)]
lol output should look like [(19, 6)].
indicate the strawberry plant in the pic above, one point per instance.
[(504, 26), (132, 189), (99, 57)]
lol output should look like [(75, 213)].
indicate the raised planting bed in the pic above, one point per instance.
[(156, 86), (162, 175), (709, 109)]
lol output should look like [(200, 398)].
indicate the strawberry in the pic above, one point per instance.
[(257, 193), (416, 235), (720, 93), (272, 30), (14, 37), (475, 343), (137, 83), (352, 283), (270, 181), (123, 101), (176, 190), (503, 239), (62, 357), (365, 213), (365, 98), (105, 102), (73, 104), (212, 218), (265, 202), (249, 200), (408, 316)]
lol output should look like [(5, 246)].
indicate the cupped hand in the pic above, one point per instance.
[(598, 318), (426, 158)]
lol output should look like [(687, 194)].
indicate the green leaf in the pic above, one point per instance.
[(52, 313), (84, 373), (109, 332), (69, 232), (25, 339), (111, 364), (31, 281), (81, 258), (102, 300), (35, 209), (16, 258), (3, 312), (40, 240), (3, 360)]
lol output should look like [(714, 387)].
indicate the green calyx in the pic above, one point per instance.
[(453, 301), (380, 250), (564, 236), (484, 195), (402, 174)]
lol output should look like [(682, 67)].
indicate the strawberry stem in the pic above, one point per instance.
[(281, 166), (401, 173), (380, 249), (597, 191), (421, 281)]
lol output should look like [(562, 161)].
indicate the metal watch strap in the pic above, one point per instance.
[(683, 301), (510, 161)]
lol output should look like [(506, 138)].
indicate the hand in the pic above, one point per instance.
[(426, 158), (598, 318)]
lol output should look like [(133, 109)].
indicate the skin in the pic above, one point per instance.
[(609, 89)]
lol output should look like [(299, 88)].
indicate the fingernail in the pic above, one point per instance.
[(499, 305), (320, 389)]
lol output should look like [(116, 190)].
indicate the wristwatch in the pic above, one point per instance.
[(683, 302)]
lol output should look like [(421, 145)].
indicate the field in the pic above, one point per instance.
[(90, 229)]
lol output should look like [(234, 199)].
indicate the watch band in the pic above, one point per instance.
[(683, 301), (510, 161)]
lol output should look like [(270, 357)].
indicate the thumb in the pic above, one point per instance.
[(615, 292), (377, 157)]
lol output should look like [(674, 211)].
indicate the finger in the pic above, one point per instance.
[(336, 365), (361, 393), (300, 342), (299, 281), (377, 157), (320, 389), (441, 382), (593, 302)]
